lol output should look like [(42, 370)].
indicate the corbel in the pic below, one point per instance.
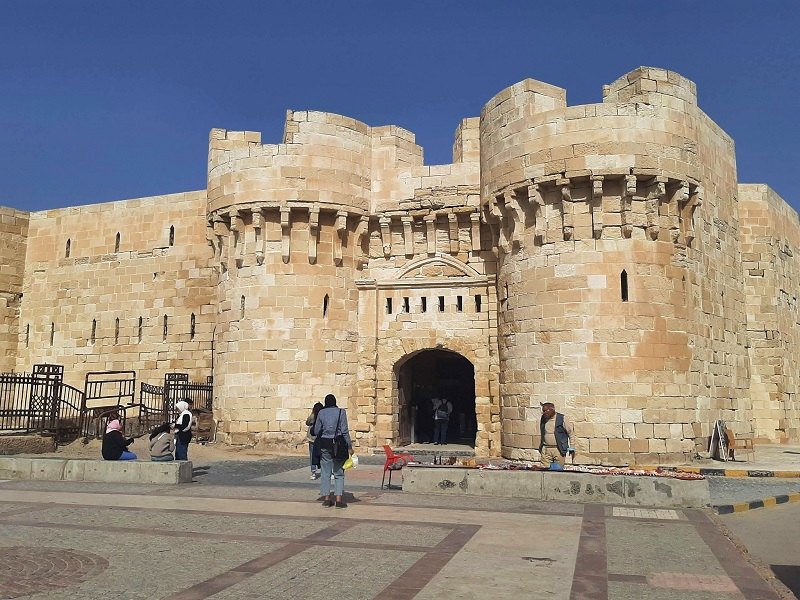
[(362, 235), (286, 233), (408, 235), (430, 233), (211, 238), (494, 226), (597, 206), (236, 238), (452, 219), (386, 236), (341, 236), (567, 209), (680, 198), (656, 195), (313, 233), (222, 233), (627, 195), (511, 216), (536, 200), (475, 231), (695, 200), (258, 227)]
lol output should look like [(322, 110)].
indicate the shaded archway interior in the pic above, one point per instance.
[(436, 374)]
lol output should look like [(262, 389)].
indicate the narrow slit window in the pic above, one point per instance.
[(424, 304), (192, 327), (94, 330), (478, 303), (441, 303), (68, 248), (172, 235), (406, 304), (166, 327), (52, 333), (623, 285), (325, 301), (241, 308), (116, 331), (388, 306), (116, 242), (27, 334), (141, 323), (459, 304)]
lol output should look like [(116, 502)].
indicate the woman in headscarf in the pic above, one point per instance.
[(115, 446), (331, 422), (313, 448), (183, 430), (162, 443)]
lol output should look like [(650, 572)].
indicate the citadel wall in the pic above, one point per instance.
[(621, 295), (13, 240), (96, 302), (770, 246)]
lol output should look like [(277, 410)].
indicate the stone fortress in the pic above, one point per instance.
[(603, 257)]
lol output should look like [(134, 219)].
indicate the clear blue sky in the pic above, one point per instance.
[(105, 100)]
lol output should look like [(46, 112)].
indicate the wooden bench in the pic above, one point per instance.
[(739, 443)]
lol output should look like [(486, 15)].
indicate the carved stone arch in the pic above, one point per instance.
[(438, 258)]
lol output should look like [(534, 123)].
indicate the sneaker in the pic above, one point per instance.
[(328, 503), (317, 475), (341, 504), (313, 476)]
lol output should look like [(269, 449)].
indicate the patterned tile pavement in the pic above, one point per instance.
[(274, 540)]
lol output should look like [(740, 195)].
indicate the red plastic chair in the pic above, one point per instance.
[(394, 462)]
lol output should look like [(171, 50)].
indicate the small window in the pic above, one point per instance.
[(52, 333), (424, 304), (166, 327), (192, 327), (623, 285), (141, 322), (116, 331), (241, 308), (116, 243), (68, 249), (388, 306), (441, 303), (27, 334), (459, 304), (172, 235), (325, 301), (406, 305), (478, 303), (94, 330)]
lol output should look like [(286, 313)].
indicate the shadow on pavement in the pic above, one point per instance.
[(789, 575)]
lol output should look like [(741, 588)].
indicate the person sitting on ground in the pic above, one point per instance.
[(183, 430), (162, 443), (115, 446), (555, 431)]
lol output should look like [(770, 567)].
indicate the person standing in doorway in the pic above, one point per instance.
[(183, 430), (555, 430), (313, 448), (332, 422), (442, 409)]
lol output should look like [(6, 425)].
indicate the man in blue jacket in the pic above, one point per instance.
[(555, 432)]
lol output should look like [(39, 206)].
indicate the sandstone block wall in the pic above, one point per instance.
[(770, 244), (620, 295), (13, 240), (103, 307)]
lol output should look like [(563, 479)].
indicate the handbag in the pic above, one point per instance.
[(341, 451)]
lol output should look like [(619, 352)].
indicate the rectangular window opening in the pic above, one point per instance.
[(441, 303), (459, 304), (388, 306), (424, 304), (477, 303), (406, 305)]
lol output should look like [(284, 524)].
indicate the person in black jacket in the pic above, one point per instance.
[(115, 446), (183, 430)]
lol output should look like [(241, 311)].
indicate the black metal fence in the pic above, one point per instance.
[(41, 402)]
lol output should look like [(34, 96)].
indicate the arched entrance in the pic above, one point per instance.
[(436, 374)]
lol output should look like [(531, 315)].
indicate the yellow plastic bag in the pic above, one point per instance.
[(351, 462)]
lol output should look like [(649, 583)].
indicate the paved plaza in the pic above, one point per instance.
[(257, 530)]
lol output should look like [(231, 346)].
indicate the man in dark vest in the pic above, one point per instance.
[(555, 432)]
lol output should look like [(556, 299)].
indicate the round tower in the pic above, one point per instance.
[(285, 224), (619, 288)]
